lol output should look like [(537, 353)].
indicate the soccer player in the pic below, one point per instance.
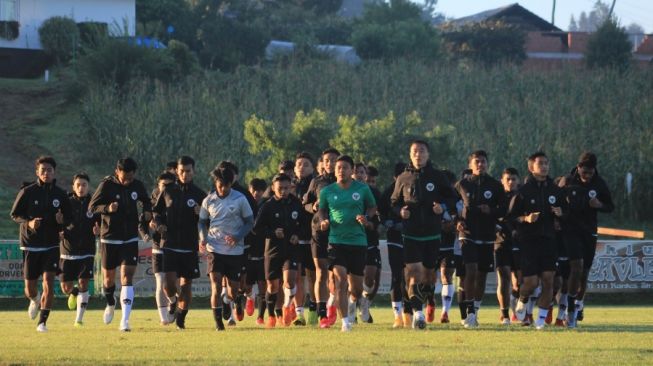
[(458, 258), (320, 237), (587, 194), (255, 256), (345, 207), (535, 207), (117, 199), (506, 252), (42, 209), (446, 262), (176, 213), (77, 248), (225, 219), (279, 221), (373, 262), (418, 196)]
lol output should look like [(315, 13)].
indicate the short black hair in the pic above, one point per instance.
[(347, 159), (510, 171), (223, 175), (305, 155), (331, 150), (171, 165), (358, 165), (44, 159), (81, 175), (420, 142), (537, 154), (166, 176), (281, 178), (372, 171), (226, 164), (287, 165), (399, 168), (185, 160), (587, 160), (258, 184), (477, 154), (127, 165)]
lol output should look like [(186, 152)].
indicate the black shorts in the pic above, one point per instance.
[(352, 257), (74, 269), (305, 258), (320, 245), (538, 255), (460, 266), (396, 259), (516, 260), (446, 259), (562, 268), (373, 257), (157, 262), (276, 264), (255, 270), (186, 265), (36, 263), (230, 266), (115, 255), (579, 244), (481, 254), (418, 251), (503, 255)]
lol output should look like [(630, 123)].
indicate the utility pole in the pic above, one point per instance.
[(553, 13), (612, 8)]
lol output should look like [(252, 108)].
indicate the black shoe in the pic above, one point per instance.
[(370, 320), (219, 325), (580, 315), (226, 311), (172, 312), (181, 325)]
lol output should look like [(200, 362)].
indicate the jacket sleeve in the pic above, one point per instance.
[(19, 210), (500, 209), (606, 198), (261, 224), (310, 197), (515, 209), (99, 202), (159, 209), (397, 197), (67, 211)]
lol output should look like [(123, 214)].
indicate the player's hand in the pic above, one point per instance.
[(231, 241), (152, 225), (324, 225), (460, 226), (556, 211), (202, 247), (316, 205), (197, 209), (34, 223), (532, 217), (279, 233), (484, 209), (404, 213), (161, 229), (96, 229), (59, 217), (361, 220), (437, 208), (595, 203), (113, 207), (294, 240), (147, 216)]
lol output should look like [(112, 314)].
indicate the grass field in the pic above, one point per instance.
[(610, 335)]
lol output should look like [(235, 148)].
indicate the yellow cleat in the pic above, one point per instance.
[(398, 323)]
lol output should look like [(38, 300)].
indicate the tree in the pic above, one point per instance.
[(591, 22), (635, 28), (60, 38), (573, 27), (488, 43), (609, 47)]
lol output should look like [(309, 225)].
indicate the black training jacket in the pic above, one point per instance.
[(40, 200), (79, 239), (540, 197), (506, 232), (477, 190), (373, 234), (312, 196), (286, 214), (581, 216), (175, 208), (301, 187), (389, 217), (120, 226)]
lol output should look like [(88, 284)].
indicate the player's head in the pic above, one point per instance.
[(478, 162), (126, 171), (171, 167), (286, 167), (372, 175), (225, 164), (344, 166), (185, 169), (538, 164), (586, 166), (329, 157), (303, 165), (164, 179), (419, 153), (281, 186), (510, 179), (45, 168), (257, 187), (80, 184), (223, 179), (360, 172)]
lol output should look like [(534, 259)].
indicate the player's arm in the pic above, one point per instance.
[(100, 203), (310, 197), (247, 215), (203, 222), (19, 211)]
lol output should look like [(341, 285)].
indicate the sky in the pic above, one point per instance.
[(628, 11)]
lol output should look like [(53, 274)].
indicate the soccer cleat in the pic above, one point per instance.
[(41, 328), (271, 323), (370, 320), (419, 322), (299, 321), (226, 312), (260, 321), (549, 316), (527, 321), (430, 313), (398, 323), (72, 302), (514, 318), (346, 327), (219, 325), (78, 324), (559, 323), (540, 323), (332, 314), (181, 325), (108, 313), (286, 317), (312, 317), (444, 317), (231, 322), (580, 316), (325, 323), (33, 309), (505, 321), (249, 307), (172, 312), (408, 320), (520, 311), (364, 304), (470, 321), (240, 312), (124, 326)]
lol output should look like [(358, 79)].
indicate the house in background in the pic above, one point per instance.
[(21, 55), (513, 14)]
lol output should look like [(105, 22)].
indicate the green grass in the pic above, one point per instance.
[(609, 335)]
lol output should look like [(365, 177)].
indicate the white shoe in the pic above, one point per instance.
[(364, 309), (346, 327), (539, 323), (33, 309), (108, 313), (520, 311), (41, 328), (124, 326), (505, 321), (470, 321)]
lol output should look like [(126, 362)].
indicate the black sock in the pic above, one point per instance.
[(43, 318), (504, 313), (278, 312), (470, 307), (262, 305), (271, 300), (460, 297), (181, 316), (321, 309), (312, 305), (217, 316), (523, 299), (408, 307), (571, 304), (429, 294), (515, 293), (108, 294), (75, 291)]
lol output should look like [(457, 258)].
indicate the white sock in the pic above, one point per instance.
[(477, 307), (288, 295), (126, 300), (161, 299), (447, 297), (542, 313), (332, 300), (579, 305), (299, 310), (397, 308), (253, 293), (562, 306), (345, 321), (82, 301), (37, 298)]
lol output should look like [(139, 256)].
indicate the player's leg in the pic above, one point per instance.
[(110, 261), (289, 290), (545, 298), (216, 291)]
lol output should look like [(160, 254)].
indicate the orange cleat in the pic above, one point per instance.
[(325, 323), (549, 316), (560, 323), (287, 316), (408, 320), (430, 313), (260, 321), (272, 322), (249, 307), (332, 314), (398, 323)]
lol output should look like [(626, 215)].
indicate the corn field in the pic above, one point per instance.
[(504, 110)]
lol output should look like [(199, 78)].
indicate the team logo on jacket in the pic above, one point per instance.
[(356, 196), (552, 199), (430, 187), (294, 215), (117, 196), (232, 208), (55, 202), (532, 202), (190, 203), (134, 196), (592, 193), (89, 214), (276, 215), (573, 193), (36, 202), (487, 195)]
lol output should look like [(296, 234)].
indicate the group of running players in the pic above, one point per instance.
[(312, 236)]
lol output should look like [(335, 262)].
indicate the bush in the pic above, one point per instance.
[(185, 60), (59, 38), (487, 43), (92, 34), (609, 47)]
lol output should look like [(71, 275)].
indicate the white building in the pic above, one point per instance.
[(30, 14)]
